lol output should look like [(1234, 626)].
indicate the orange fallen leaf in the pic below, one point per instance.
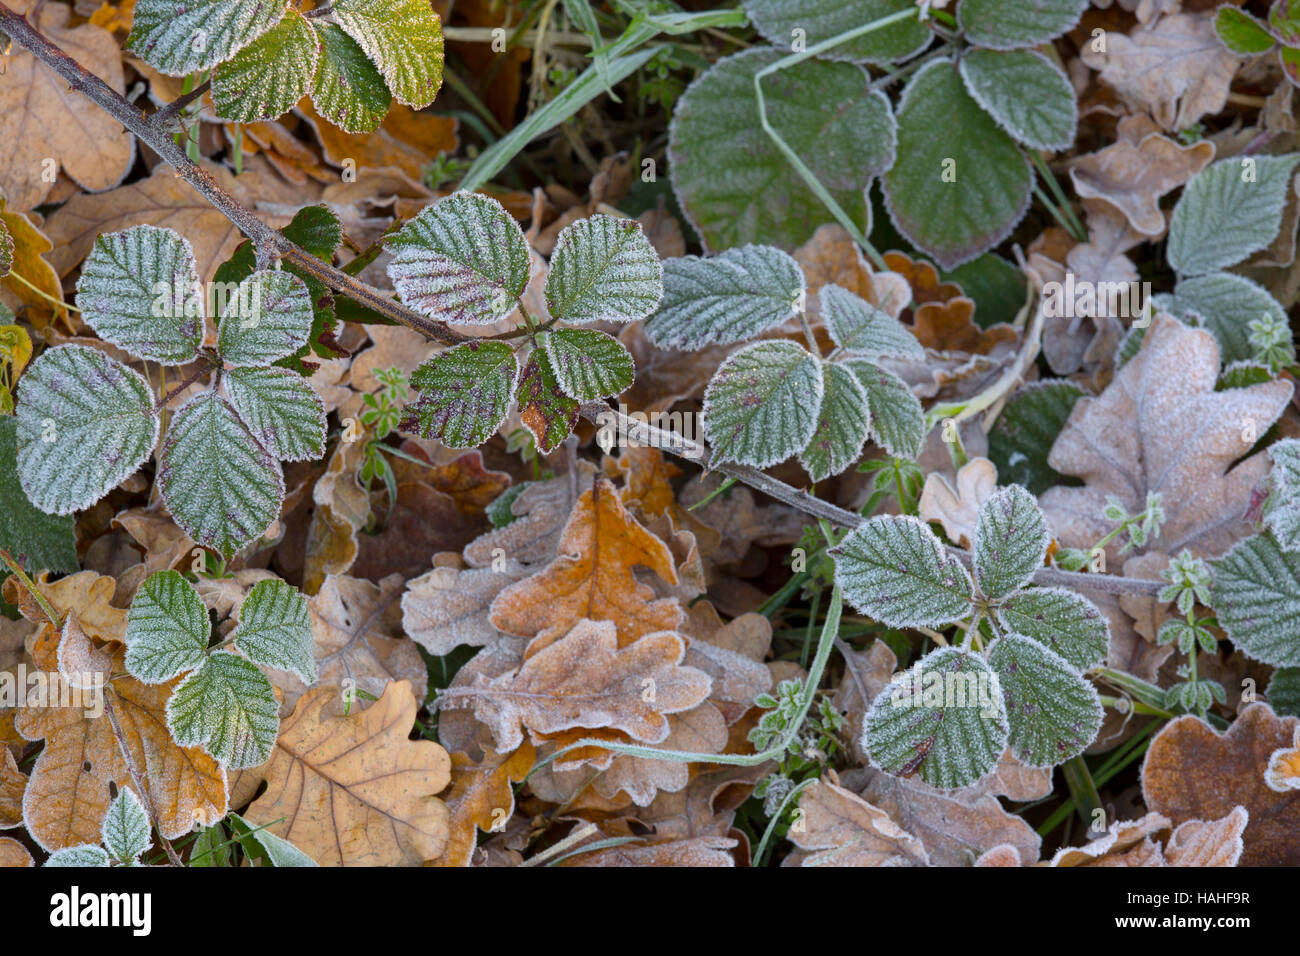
[(481, 798)]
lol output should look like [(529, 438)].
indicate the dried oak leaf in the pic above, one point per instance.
[(647, 479), (342, 508), (405, 142), (355, 791), (958, 510), (87, 593), (28, 261), (481, 798), (1191, 772), (1209, 843), (839, 828), (12, 784), (448, 607), (950, 327), (541, 512), (705, 807), (922, 277), (697, 851), (1160, 426), (701, 729), (14, 854), (832, 257), (1125, 843)]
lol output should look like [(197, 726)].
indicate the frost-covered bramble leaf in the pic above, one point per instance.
[(464, 394), (544, 408), (269, 317), (462, 260), (897, 421), (1023, 435), (275, 629), (228, 707), (1283, 517), (180, 38), (736, 186), (1227, 212), (842, 424), (125, 829), (139, 289), (1257, 597), (1060, 620), (404, 38), (893, 569), (220, 485), (818, 20), (1240, 32), (959, 194), (1014, 24), (1026, 93), (943, 718), (857, 326), (603, 268), (761, 406), (167, 629), (589, 364), (39, 540), (6, 248), (1011, 541), (278, 850), (266, 78), (1225, 304), (736, 295), (348, 90), (82, 856), (281, 410), (1052, 711), (85, 423)]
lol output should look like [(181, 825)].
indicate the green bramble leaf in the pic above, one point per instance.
[(1015, 24), (81, 856), (603, 268), (139, 289), (1229, 211), (348, 90), (278, 850), (857, 326), (761, 406), (957, 195), (1061, 621), (777, 21), (270, 317), (1011, 540), (736, 186), (842, 425), (1023, 435), (1224, 303), (589, 364), (404, 39), (167, 629), (1240, 32), (1052, 711), (221, 487), (281, 410), (1026, 93), (37, 540), (464, 394), (943, 719), (544, 408), (126, 831), (1283, 517), (179, 39), (893, 569), (1284, 691), (228, 707), (85, 423), (462, 260), (897, 421), (265, 79), (275, 629), (1256, 595), (736, 295), (6, 248)]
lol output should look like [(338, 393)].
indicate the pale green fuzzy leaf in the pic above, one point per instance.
[(125, 830), (736, 295), (761, 406), (221, 487), (404, 38), (85, 424), (736, 186), (35, 539), (1013, 24), (180, 38), (1283, 517), (842, 425), (546, 411), (1257, 597), (278, 850), (6, 244), (281, 410), (269, 317), (603, 268), (1221, 218), (82, 856), (464, 394), (857, 326), (1011, 540), (139, 289), (943, 719), (269, 76), (1026, 93), (1240, 32), (348, 90), (228, 707), (897, 421), (777, 21), (1225, 304), (1284, 692), (275, 629), (461, 260), (893, 569), (990, 182), (1052, 711), (1061, 620), (167, 629), (589, 364), (1024, 433)]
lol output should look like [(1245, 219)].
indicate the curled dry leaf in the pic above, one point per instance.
[(839, 828), (950, 327), (1283, 772), (481, 798), (958, 511), (14, 854), (448, 607), (12, 784), (541, 512)]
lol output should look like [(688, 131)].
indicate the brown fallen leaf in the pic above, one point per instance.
[(958, 510), (406, 141), (541, 513), (342, 508), (1109, 849), (30, 245), (1283, 772), (448, 607), (701, 729), (832, 257), (87, 593), (705, 807), (698, 851), (1212, 843), (923, 279), (12, 784), (839, 828), (950, 327), (481, 798), (14, 854)]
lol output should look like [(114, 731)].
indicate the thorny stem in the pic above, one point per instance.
[(144, 794), (30, 587), (166, 399), (166, 114)]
